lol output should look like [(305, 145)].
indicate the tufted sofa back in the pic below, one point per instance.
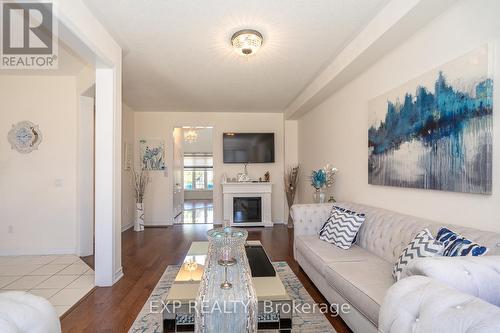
[(385, 233)]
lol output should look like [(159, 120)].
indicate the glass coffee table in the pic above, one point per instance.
[(274, 304)]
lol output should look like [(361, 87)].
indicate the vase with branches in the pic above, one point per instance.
[(141, 180), (291, 182)]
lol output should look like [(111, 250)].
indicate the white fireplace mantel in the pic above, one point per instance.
[(247, 189)]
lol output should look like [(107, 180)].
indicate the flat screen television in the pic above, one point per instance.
[(248, 147)]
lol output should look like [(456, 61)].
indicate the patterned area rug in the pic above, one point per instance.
[(147, 322)]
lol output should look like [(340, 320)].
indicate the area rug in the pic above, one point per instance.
[(147, 322)]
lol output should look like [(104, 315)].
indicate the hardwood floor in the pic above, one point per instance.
[(146, 255)]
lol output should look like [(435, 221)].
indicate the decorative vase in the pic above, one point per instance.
[(319, 196), (226, 300), (290, 219), (139, 217)]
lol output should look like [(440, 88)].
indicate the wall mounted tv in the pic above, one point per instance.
[(248, 147)]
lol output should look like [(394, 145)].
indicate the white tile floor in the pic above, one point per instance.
[(62, 279)]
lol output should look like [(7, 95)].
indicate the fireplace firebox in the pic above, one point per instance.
[(247, 204), (247, 209)]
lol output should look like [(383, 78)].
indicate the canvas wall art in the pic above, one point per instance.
[(435, 132), (152, 154)]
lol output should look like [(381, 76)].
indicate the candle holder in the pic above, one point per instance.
[(226, 285), (225, 242), (226, 258)]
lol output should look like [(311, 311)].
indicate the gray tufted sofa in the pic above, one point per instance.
[(361, 276)]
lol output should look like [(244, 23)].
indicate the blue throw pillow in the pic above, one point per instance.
[(456, 245)]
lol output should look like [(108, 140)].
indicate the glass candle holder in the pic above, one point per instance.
[(225, 241)]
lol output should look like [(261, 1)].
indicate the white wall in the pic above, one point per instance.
[(336, 131), (128, 192), (204, 143), (85, 176), (40, 214), (85, 88), (160, 125), (291, 150)]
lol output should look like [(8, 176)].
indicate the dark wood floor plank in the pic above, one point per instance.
[(146, 255)]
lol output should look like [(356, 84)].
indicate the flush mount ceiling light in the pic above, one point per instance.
[(247, 41)]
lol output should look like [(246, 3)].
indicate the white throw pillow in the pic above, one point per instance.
[(341, 227), (423, 245)]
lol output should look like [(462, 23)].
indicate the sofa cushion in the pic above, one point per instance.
[(342, 227), (362, 283), (423, 245), (456, 245), (320, 253)]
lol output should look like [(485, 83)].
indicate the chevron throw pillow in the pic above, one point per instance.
[(456, 245), (341, 227), (423, 245)]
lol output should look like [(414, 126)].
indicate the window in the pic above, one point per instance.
[(188, 179), (198, 172)]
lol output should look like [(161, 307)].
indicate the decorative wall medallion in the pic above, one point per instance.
[(25, 137)]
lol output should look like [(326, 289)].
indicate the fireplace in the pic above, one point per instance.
[(247, 204), (247, 209)]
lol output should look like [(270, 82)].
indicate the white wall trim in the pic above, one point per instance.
[(152, 224), (87, 36), (107, 197), (118, 275), (126, 227)]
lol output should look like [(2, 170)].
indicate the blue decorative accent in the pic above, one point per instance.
[(431, 117), (440, 139), (456, 245), (318, 178)]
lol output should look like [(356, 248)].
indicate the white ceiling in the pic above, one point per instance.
[(177, 53)]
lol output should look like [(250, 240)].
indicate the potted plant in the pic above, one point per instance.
[(141, 181)]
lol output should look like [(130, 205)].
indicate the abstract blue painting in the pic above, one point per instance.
[(435, 132), (152, 154)]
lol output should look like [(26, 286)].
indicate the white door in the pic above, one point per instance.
[(178, 172)]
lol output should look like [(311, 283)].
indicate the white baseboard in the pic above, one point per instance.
[(126, 227), (118, 275), (157, 223), (36, 252)]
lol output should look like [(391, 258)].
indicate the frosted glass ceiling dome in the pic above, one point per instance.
[(247, 41)]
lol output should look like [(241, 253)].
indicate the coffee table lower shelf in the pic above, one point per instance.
[(274, 304), (181, 320)]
